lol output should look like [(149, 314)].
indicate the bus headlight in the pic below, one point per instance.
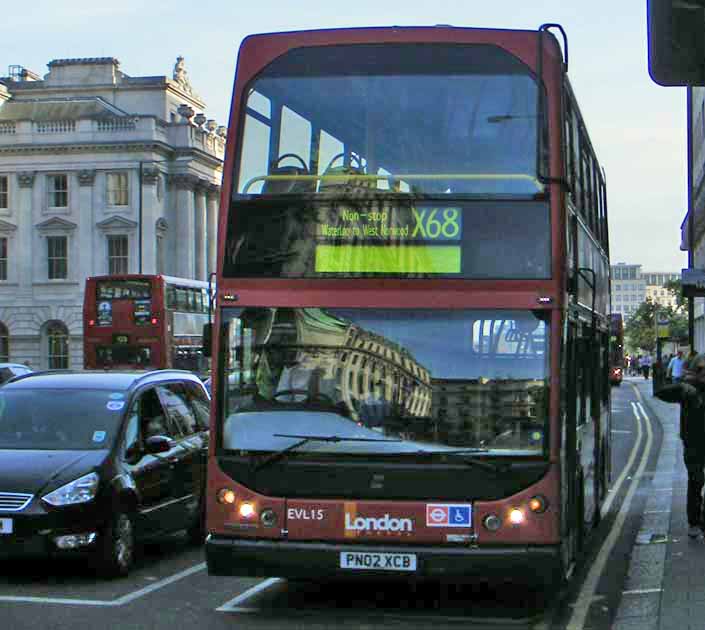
[(247, 510), (516, 516)]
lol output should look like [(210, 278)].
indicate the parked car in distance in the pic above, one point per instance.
[(92, 463), (10, 370)]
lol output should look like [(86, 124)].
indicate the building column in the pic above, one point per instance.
[(147, 228), (25, 181), (200, 230), (86, 251), (212, 231), (184, 231)]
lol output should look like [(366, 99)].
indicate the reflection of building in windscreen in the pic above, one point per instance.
[(307, 355), (377, 378), (489, 413)]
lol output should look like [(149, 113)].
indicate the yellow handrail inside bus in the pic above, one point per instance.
[(398, 178)]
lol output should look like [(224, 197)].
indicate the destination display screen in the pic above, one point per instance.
[(423, 239), (388, 238)]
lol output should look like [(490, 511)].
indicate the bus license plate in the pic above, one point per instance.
[(373, 561), (5, 525)]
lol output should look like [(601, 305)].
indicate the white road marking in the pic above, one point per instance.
[(120, 601), (234, 604), (585, 598), (614, 491), (130, 597)]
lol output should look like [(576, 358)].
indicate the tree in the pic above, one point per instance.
[(640, 328), (675, 288)]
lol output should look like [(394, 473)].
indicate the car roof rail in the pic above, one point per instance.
[(152, 373), (19, 377)]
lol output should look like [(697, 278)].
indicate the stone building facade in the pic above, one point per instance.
[(100, 173)]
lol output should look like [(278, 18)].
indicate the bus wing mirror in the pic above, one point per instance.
[(207, 339)]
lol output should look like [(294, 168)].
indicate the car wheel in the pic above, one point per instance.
[(117, 551)]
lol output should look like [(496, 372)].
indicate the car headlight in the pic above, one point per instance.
[(80, 490)]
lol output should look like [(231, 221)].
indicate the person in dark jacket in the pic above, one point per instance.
[(690, 393)]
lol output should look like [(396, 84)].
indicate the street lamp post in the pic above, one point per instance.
[(139, 218), (691, 212)]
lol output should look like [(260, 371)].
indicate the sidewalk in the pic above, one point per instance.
[(665, 587)]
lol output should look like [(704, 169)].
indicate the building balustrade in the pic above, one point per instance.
[(120, 129), (55, 126)]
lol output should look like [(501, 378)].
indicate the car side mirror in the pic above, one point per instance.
[(207, 339), (157, 444)]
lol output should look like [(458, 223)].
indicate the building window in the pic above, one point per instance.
[(117, 254), (57, 257), (58, 339), (3, 258), (4, 344), (117, 189), (58, 190), (4, 192)]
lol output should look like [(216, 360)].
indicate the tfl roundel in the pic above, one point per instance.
[(448, 515)]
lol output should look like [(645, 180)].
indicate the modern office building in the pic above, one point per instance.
[(100, 172), (631, 286)]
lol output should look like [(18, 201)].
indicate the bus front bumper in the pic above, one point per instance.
[(317, 560)]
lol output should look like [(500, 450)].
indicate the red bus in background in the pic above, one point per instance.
[(616, 348), (412, 326), (145, 321)]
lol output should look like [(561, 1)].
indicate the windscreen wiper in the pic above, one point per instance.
[(469, 461), (303, 439)]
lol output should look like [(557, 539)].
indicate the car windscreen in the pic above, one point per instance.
[(59, 419), (387, 381)]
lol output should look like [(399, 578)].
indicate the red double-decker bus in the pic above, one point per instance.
[(145, 321), (412, 327)]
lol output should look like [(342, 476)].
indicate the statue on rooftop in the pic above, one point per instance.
[(180, 75)]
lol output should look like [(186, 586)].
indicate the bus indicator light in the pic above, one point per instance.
[(538, 504), (91, 322), (154, 321), (226, 496)]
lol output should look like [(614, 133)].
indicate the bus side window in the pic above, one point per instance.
[(171, 297)]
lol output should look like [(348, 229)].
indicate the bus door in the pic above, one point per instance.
[(580, 431), (586, 426)]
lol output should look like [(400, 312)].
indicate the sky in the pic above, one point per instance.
[(638, 129)]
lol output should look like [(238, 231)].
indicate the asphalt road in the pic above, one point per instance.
[(170, 589)]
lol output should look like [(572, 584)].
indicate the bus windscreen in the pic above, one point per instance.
[(419, 379)]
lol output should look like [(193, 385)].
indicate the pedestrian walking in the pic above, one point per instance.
[(646, 365), (675, 368), (690, 393)]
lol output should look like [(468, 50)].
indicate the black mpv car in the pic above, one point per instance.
[(92, 462)]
